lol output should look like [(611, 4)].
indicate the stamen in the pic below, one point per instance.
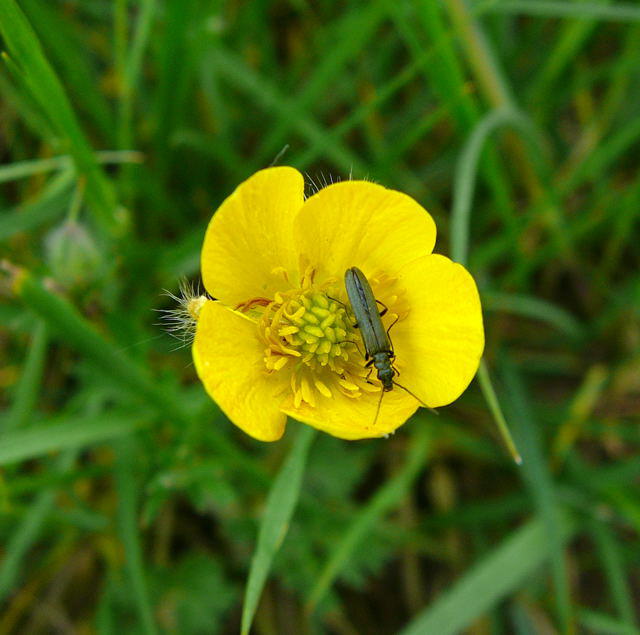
[(322, 388), (309, 334)]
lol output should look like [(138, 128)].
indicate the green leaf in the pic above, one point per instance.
[(615, 568), (29, 385), (467, 171), (497, 575), (195, 594), (537, 476), (21, 445), (574, 10), (280, 505), (45, 87), (51, 203), (28, 530), (128, 525), (24, 169), (70, 326), (534, 308), (601, 624), (380, 503)]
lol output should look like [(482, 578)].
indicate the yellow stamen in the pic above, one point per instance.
[(309, 334)]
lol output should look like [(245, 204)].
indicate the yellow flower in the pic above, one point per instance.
[(279, 337)]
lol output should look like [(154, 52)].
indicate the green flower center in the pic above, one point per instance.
[(321, 327), (310, 332), (310, 327)]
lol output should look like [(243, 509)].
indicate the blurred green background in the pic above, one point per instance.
[(128, 503)]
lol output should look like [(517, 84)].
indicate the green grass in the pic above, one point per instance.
[(128, 503)]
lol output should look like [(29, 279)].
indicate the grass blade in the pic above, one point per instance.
[(497, 575), (465, 178), (67, 324), (128, 525), (614, 569), (566, 48), (268, 95), (480, 55), (534, 308), (28, 531), (66, 51), (538, 478), (280, 505), (493, 403), (466, 173), (24, 169), (353, 31), (65, 320), (130, 78), (52, 202), (574, 10), (44, 85), (449, 78), (29, 384), (600, 624), (384, 500), (22, 445)]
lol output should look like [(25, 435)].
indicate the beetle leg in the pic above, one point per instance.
[(384, 311), (357, 346), (392, 325), (355, 326), (338, 301)]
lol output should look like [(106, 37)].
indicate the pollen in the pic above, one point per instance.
[(309, 326), (309, 332)]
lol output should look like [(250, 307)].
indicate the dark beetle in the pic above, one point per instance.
[(379, 351), (378, 346)]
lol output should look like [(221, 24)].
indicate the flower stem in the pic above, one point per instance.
[(494, 405)]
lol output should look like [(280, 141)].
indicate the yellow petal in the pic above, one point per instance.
[(249, 241), (353, 418), (229, 360), (439, 345), (363, 224)]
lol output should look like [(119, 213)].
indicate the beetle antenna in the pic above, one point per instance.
[(378, 408), (424, 405)]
